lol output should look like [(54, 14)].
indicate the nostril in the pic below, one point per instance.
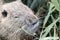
[(35, 22)]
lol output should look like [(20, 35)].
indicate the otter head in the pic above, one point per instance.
[(15, 17)]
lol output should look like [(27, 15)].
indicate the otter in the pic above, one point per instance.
[(16, 19)]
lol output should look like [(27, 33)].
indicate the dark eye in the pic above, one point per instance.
[(4, 13)]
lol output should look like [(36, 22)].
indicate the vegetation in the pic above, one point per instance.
[(48, 12)]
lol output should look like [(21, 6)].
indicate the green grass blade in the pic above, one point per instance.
[(55, 27), (50, 38), (34, 4), (29, 2), (56, 4), (47, 30), (48, 15)]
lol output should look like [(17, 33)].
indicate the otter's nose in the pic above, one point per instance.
[(35, 22)]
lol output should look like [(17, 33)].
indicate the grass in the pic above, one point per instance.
[(53, 5), (49, 7)]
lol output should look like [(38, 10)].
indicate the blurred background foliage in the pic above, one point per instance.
[(48, 12)]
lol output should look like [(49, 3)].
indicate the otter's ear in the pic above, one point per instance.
[(1, 2)]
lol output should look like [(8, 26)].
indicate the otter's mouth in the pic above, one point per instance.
[(31, 29)]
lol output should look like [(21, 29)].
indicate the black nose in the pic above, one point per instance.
[(35, 22)]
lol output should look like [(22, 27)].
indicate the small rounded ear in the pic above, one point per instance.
[(1, 2)]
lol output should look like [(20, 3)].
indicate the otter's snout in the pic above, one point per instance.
[(35, 25), (35, 22), (31, 26)]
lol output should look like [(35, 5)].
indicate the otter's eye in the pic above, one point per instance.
[(4, 13)]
